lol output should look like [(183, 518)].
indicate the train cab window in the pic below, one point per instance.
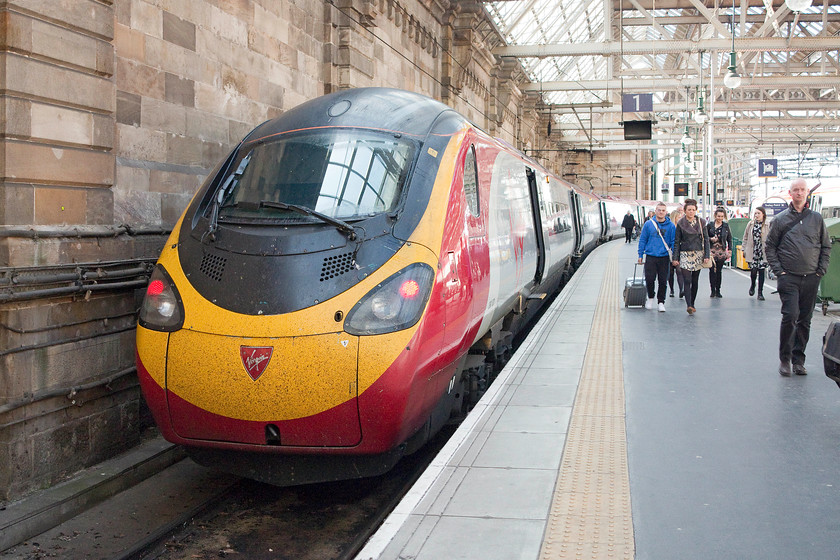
[(471, 182), (340, 173)]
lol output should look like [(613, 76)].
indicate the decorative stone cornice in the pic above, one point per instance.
[(410, 25)]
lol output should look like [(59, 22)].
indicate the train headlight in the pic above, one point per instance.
[(162, 309), (395, 304)]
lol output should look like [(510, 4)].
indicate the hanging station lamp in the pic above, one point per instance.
[(798, 5), (732, 80)]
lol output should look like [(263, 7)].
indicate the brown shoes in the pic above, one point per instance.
[(785, 369), (799, 369), (691, 310)]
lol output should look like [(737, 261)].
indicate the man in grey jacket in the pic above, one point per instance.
[(798, 249)]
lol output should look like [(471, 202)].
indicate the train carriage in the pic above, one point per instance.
[(344, 283)]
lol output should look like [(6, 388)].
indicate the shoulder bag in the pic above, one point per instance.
[(659, 231), (703, 232)]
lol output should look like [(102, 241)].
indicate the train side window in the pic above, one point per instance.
[(471, 182)]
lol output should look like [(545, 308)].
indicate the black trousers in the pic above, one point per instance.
[(656, 268), (716, 274), (628, 234), (674, 272), (799, 295), (690, 280), (760, 273)]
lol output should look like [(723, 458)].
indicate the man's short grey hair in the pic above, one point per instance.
[(658, 204)]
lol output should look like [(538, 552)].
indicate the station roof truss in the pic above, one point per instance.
[(582, 56)]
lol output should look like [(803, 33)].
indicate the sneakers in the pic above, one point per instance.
[(661, 307), (650, 303), (760, 297)]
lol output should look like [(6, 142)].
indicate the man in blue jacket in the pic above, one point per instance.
[(656, 245)]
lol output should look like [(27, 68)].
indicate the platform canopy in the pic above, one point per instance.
[(585, 56)]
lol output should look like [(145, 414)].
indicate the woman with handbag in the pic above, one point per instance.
[(676, 215), (753, 246), (720, 240), (691, 251)]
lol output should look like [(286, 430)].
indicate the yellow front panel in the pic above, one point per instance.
[(151, 349), (305, 375)]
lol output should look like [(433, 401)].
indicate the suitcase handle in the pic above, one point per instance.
[(635, 266)]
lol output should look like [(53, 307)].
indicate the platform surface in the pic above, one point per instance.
[(629, 433)]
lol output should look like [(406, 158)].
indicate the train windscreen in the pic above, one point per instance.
[(339, 173)]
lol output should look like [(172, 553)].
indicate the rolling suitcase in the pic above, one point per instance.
[(635, 291)]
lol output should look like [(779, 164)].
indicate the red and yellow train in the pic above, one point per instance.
[(346, 281)]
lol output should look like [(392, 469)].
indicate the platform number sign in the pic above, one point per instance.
[(636, 102), (768, 167)]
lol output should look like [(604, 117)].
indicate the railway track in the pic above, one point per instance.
[(187, 511)]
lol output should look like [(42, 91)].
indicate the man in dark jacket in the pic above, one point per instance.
[(629, 224), (798, 249)]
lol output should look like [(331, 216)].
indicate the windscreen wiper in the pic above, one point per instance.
[(341, 225), (223, 193)]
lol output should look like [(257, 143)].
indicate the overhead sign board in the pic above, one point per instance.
[(768, 167), (680, 189), (636, 102)]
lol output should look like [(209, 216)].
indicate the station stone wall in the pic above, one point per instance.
[(112, 113)]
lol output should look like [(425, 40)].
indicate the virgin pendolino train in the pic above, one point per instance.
[(347, 280)]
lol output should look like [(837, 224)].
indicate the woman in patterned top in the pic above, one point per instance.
[(720, 239), (753, 246)]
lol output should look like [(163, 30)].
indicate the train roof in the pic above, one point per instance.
[(380, 108)]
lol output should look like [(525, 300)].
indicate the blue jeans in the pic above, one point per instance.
[(799, 295)]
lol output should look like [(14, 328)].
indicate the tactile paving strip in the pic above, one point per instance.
[(590, 514)]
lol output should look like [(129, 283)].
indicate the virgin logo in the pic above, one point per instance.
[(255, 359)]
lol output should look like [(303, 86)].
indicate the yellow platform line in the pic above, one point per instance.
[(590, 515)]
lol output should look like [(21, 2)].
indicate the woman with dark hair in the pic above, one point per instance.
[(691, 251), (720, 240), (753, 246), (672, 270)]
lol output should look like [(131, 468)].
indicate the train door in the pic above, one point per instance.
[(538, 229), (605, 220), (577, 219)]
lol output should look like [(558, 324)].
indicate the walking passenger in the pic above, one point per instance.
[(629, 224), (798, 249), (755, 238), (720, 240), (656, 244), (691, 251), (676, 215)]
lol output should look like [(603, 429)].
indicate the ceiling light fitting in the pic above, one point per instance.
[(798, 5), (732, 80), (700, 115)]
